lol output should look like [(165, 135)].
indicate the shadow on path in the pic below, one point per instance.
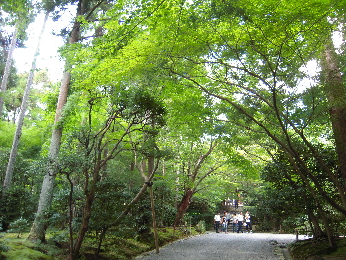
[(235, 246)]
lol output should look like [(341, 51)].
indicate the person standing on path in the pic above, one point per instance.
[(228, 217), (224, 221), (248, 222), (234, 223), (240, 222), (217, 219)]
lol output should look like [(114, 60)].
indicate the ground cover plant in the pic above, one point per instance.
[(303, 249), (114, 247)]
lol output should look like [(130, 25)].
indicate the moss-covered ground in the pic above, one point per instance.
[(14, 248), (301, 250)]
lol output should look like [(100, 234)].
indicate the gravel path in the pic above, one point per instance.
[(213, 245)]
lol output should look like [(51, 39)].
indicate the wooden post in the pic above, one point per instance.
[(150, 170), (154, 217)]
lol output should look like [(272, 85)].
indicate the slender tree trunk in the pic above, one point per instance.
[(90, 196), (38, 228), (18, 133), (152, 202), (8, 67)]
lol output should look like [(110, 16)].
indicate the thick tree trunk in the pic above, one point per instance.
[(8, 67), (37, 231), (18, 133), (335, 92), (183, 206), (317, 231)]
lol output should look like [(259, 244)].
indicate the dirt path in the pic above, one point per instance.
[(225, 246)]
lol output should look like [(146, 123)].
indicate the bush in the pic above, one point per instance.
[(19, 226), (17, 202), (200, 227), (3, 246)]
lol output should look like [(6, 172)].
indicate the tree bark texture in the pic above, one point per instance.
[(183, 206), (8, 67), (335, 92), (37, 231)]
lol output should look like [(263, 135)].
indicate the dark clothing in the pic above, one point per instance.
[(217, 224), (240, 226), (235, 227), (248, 226)]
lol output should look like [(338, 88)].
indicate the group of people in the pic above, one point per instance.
[(237, 220)]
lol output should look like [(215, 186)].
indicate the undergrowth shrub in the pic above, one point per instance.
[(200, 227), (19, 226)]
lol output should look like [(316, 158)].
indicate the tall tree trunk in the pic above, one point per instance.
[(335, 92), (18, 133), (37, 231), (8, 67)]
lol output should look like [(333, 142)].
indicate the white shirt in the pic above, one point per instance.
[(247, 218), (217, 218), (240, 218)]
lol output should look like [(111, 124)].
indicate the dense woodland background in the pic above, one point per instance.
[(194, 101)]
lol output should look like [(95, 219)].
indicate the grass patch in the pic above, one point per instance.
[(300, 250)]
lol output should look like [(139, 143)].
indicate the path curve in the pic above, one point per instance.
[(209, 246)]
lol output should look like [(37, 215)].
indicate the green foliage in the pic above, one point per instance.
[(112, 196), (3, 246), (16, 203), (202, 209), (138, 104), (6, 131), (179, 75), (19, 226), (59, 212), (164, 202)]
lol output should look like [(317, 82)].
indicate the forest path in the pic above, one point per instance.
[(209, 246)]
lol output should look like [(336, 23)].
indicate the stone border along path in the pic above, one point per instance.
[(211, 245)]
